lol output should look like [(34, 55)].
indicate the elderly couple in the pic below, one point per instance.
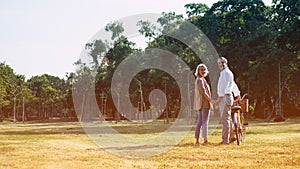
[(226, 90)]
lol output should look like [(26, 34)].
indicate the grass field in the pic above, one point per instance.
[(65, 145)]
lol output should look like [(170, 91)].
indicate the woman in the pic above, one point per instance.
[(202, 102)]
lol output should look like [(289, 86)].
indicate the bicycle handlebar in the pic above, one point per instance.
[(244, 96)]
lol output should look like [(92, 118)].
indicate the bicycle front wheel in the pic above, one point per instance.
[(238, 135), (243, 132), (237, 128)]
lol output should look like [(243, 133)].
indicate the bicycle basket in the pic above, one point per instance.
[(244, 104)]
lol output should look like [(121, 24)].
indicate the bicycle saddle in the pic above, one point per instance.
[(236, 108)]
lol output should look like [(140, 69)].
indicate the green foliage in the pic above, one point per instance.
[(256, 39), (50, 92), (196, 9), (115, 28), (147, 29), (98, 49)]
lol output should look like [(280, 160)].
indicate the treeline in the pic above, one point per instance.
[(39, 97), (261, 42)]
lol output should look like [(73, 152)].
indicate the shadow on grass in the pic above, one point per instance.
[(90, 128), (46, 131), (209, 144), (72, 127), (140, 147)]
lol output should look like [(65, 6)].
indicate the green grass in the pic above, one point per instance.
[(65, 145)]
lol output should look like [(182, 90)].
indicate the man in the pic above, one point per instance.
[(227, 90)]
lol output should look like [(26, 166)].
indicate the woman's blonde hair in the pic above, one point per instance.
[(198, 67)]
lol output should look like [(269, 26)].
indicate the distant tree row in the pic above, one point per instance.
[(40, 97)]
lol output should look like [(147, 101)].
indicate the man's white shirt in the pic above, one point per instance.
[(226, 84)]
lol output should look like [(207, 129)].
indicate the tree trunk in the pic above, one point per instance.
[(15, 120), (1, 115), (258, 111), (23, 106), (82, 106)]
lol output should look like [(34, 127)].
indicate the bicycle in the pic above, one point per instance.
[(238, 118)]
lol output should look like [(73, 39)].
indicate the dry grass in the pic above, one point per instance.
[(65, 145)]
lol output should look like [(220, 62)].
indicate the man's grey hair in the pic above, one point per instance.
[(223, 59)]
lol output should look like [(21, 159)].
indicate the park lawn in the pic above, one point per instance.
[(65, 145)]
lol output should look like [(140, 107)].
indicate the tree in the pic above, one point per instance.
[(285, 16), (196, 9), (14, 92), (49, 91), (5, 73), (256, 39)]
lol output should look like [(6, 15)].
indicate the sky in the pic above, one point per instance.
[(47, 36)]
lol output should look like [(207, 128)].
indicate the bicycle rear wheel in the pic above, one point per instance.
[(243, 132), (239, 135), (243, 127)]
